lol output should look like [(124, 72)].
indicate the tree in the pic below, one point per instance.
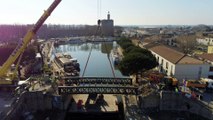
[(187, 43), (141, 50), (137, 62), (124, 40), (135, 58), (129, 49)]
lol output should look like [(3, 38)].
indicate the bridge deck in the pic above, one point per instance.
[(97, 89), (97, 80)]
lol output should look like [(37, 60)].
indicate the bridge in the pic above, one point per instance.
[(99, 89), (99, 85), (97, 80)]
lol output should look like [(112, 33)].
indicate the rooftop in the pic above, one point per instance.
[(174, 56), (207, 56), (189, 60), (168, 53)]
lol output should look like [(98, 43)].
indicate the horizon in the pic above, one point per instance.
[(123, 12), (115, 25)]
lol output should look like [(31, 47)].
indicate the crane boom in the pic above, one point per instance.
[(27, 38)]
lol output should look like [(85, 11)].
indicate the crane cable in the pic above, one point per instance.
[(87, 61), (99, 30), (99, 16), (110, 62), (96, 32), (99, 9)]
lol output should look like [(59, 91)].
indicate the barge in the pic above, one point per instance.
[(70, 65)]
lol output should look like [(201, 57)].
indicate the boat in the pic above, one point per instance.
[(115, 56), (69, 64), (74, 41)]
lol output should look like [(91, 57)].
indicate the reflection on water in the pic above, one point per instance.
[(98, 64)]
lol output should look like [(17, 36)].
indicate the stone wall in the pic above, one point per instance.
[(178, 102), (29, 102), (150, 101), (171, 101)]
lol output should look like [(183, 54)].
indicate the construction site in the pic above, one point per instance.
[(55, 84)]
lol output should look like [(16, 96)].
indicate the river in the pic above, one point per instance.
[(98, 64)]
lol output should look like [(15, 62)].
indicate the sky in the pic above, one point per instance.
[(123, 12)]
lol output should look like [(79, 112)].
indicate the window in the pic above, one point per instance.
[(211, 69), (167, 65), (162, 62), (171, 74)]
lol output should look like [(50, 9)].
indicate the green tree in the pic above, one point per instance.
[(125, 45), (124, 40), (137, 62), (141, 50), (135, 59), (129, 49)]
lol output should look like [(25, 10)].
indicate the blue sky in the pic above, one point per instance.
[(124, 12)]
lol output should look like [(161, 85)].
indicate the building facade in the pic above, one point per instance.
[(205, 41), (107, 26), (208, 57), (179, 65)]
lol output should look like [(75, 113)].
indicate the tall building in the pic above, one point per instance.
[(107, 26)]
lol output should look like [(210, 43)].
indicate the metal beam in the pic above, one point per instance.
[(97, 89), (97, 80)]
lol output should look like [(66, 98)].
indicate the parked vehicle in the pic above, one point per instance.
[(208, 82), (195, 84)]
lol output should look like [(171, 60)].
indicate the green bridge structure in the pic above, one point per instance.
[(98, 85)]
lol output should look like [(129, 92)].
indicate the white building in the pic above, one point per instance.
[(208, 58), (179, 65), (205, 41)]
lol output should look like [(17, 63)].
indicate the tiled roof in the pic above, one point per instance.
[(174, 56), (189, 60), (207, 56), (169, 54)]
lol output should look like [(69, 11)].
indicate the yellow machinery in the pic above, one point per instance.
[(22, 45)]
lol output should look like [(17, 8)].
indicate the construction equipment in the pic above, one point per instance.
[(209, 83), (171, 81), (23, 45), (195, 84), (155, 77)]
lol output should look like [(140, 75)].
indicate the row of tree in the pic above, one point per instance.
[(136, 59), (12, 33), (6, 50)]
